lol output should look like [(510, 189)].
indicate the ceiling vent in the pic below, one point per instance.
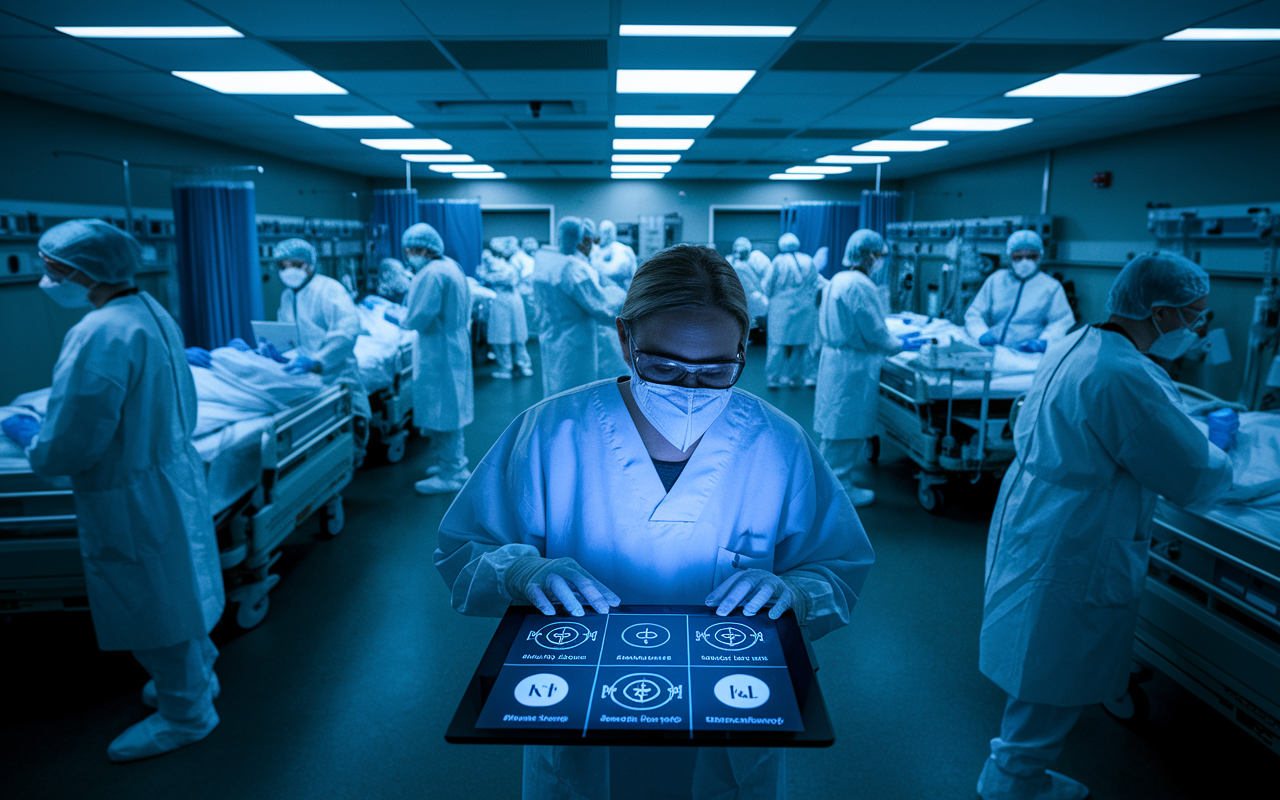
[(521, 54), (390, 56), (517, 109), (860, 56), (844, 133), (749, 133)]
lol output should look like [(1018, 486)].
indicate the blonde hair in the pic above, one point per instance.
[(686, 277)]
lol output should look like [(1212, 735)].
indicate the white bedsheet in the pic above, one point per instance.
[(241, 386), (378, 346), (1011, 371)]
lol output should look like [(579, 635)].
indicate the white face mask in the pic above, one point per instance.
[(66, 293), (417, 262), (679, 413), (293, 277), (1173, 344), (1024, 268)]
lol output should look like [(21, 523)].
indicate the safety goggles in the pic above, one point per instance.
[(1201, 320), (660, 369)]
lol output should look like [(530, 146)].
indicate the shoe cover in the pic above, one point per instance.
[(501, 374), (156, 735), (996, 784), (437, 485), (150, 700), (526, 371), (861, 497)]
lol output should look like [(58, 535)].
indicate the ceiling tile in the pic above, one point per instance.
[(969, 84), (121, 83), (915, 19), (1184, 57), (741, 12), (671, 103), (513, 18), (329, 19), (781, 110), (60, 54), (320, 105), (1255, 15), (726, 149), (847, 84), (644, 52), (1107, 20), (18, 83), (133, 12), (201, 54), (1040, 58), (815, 56), (12, 26), (1269, 67), (372, 54), (1035, 107), (541, 84), (423, 84), (905, 106), (529, 54)]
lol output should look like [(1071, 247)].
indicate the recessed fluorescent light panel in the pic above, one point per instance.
[(640, 167), (818, 170), (188, 32), (969, 124), (683, 81), (280, 81), (619, 176), (792, 176), (407, 144), (460, 168), (485, 176), (1079, 84), (662, 120), (652, 144), (352, 121), (853, 160), (1220, 35), (437, 158), (709, 31), (901, 145), (645, 158)]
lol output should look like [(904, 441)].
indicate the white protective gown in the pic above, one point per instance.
[(751, 271), (439, 309), (615, 262), (791, 284), (328, 325), (755, 492), (524, 264), (855, 342), (119, 423), (1097, 439), (1036, 308), (572, 305), (507, 323)]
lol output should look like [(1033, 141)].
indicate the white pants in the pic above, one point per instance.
[(448, 450), (183, 674), (1031, 736), (653, 773), (786, 363), (843, 455), (503, 352)]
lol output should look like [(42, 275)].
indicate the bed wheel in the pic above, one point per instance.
[(874, 455), (248, 605), (930, 498), (248, 616), (1131, 710), (332, 518), (395, 449)]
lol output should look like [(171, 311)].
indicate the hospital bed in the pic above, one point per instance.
[(266, 474), (386, 355)]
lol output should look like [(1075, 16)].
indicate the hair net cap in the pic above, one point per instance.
[(741, 243), (608, 232), (588, 228), (1156, 279), (788, 243), (300, 249), (1025, 240), (863, 243), (529, 243), (98, 249), (569, 233), (422, 235)]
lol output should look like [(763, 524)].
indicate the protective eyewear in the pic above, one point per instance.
[(1200, 322), (660, 369)]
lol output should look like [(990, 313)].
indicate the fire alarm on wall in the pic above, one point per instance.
[(1102, 180)]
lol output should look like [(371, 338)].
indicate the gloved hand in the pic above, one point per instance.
[(912, 341), (765, 585), (1031, 346), (199, 357), (529, 579), (268, 350), (302, 364), (21, 428), (1225, 440), (368, 302), (240, 344), (1223, 425), (989, 339), (392, 318)]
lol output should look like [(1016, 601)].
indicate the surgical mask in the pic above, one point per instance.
[(293, 277), (679, 413), (1173, 344), (1024, 268), (66, 293), (877, 267), (417, 262)]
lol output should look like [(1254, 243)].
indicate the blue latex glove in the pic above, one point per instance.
[(302, 364), (1031, 346), (1225, 440), (268, 350), (240, 344), (389, 317), (199, 357), (21, 428), (912, 341), (989, 338)]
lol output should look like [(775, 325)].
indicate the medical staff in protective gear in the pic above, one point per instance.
[(508, 326), (1020, 307), (439, 309), (327, 325), (665, 487), (523, 261), (393, 279), (1098, 438), (609, 361), (855, 342), (614, 261), (119, 423), (791, 284), (572, 305), (751, 266)]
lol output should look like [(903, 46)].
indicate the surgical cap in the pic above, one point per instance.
[(300, 249), (788, 243), (569, 233), (529, 243), (588, 228), (98, 249), (498, 244), (422, 235), (1024, 240), (863, 243), (608, 232), (741, 244), (1153, 279)]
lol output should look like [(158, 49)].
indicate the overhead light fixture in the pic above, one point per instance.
[(645, 158), (819, 170), (407, 144), (482, 176), (353, 121), (640, 167), (437, 158), (709, 31), (901, 145), (1081, 84), (652, 144), (278, 81), (1222, 35), (460, 168), (663, 120), (620, 176), (683, 81), (852, 160), (969, 124), (163, 32), (792, 176)]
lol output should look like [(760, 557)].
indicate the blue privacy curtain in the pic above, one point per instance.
[(393, 211), (458, 223), (821, 223), (878, 210), (219, 278)]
